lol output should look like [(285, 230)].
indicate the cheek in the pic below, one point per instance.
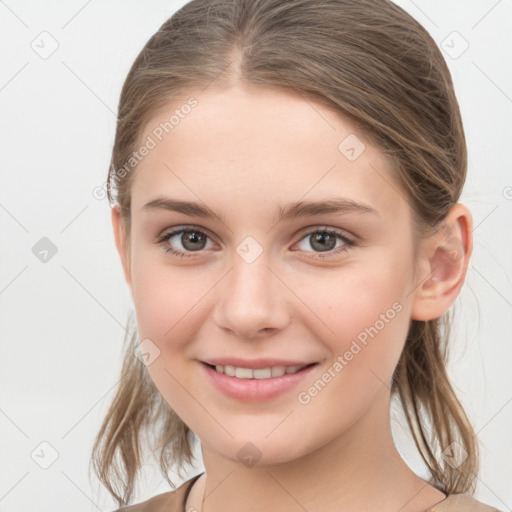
[(365, 311), (370, 321), (167, 301), (169, 312), (354, 298)]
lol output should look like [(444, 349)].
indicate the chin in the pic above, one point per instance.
[(253, 451)]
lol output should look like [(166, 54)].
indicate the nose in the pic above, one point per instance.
[(251, 300)]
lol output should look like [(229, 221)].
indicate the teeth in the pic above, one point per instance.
[(243, 373), (278, 371), (261, 373), (228, 370)]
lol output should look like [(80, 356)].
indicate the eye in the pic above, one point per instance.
[(191, 239), (325, 240)]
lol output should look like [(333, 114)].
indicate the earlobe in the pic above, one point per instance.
[(121, 244), (445, 264)]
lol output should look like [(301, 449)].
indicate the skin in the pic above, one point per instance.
[(243, 151)]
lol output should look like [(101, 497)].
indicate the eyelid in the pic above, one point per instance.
[(303, 231), (184, 227), (320, 227)]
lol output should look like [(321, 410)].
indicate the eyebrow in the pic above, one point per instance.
[(340, 205)]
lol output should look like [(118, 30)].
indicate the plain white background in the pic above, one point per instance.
[(62, 321)]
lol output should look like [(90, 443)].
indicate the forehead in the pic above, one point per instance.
[(256, 147)]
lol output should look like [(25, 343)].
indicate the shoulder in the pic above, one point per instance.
[(461, 503), (171, 501)]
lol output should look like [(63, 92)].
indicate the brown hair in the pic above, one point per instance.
[(381, 70)]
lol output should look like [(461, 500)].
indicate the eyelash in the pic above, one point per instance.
[(349, 242)]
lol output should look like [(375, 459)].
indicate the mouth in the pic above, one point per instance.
[(257, 384), (258, 373)]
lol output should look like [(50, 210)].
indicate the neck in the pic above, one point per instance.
[(359, 468)]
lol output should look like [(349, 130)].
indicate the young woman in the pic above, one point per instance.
[(285, 181)]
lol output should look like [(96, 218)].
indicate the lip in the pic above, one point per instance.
[(255, 390), (255, 364)]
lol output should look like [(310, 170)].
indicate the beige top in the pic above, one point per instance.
[(174, 501)]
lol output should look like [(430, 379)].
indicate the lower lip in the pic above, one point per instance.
[(256, 390)]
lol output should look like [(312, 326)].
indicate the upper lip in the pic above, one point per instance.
[(255, 363)]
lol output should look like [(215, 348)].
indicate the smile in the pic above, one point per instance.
[(260, 373), (258, 384)]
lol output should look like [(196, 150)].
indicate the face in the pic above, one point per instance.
[(330, 287)]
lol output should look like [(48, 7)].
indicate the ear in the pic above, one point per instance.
[(443, 265), (122, 244)]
